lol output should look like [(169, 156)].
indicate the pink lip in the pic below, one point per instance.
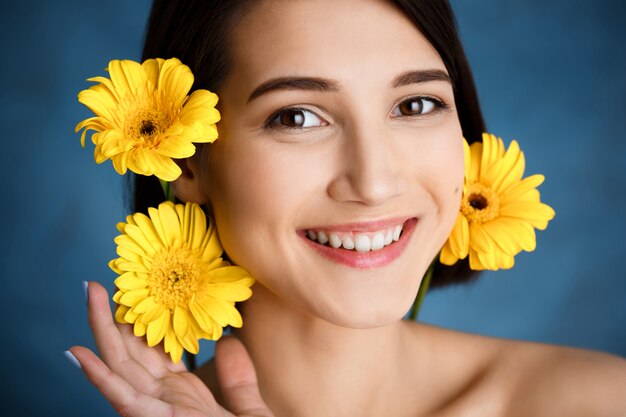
[(365, 260)]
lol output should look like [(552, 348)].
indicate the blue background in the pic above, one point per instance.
[(549, 73)]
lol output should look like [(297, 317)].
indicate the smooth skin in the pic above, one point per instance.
[(322, 338)]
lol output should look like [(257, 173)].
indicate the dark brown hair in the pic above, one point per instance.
[(197, 33)]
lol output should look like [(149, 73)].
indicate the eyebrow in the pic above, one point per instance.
[(326, 85), (420, 76), (294, 83)]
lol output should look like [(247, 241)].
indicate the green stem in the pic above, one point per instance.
[(167, 190), (417, 304)]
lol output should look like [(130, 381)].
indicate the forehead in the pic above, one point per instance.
[(330, 38)]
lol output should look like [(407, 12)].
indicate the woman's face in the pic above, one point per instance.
[(338, 124)]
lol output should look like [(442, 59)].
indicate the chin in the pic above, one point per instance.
[(367, 313)]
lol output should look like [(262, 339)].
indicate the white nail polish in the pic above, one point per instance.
[(70, 357), (86, 291)]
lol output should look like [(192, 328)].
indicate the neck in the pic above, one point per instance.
[(308, 366)]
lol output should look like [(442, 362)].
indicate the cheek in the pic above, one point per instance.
[(442, 176), (253, 192), (450, 181), (451, 191)]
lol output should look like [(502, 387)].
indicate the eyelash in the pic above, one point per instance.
[(272, 123), (269, 123), (438, 106)]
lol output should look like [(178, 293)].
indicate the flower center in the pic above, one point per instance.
[(480, 203), (477, 201), (174, 275), (146, 127)]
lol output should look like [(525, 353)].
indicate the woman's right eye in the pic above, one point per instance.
[(295, 118)]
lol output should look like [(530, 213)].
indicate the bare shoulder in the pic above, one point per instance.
[(555, 380), (498, 377)]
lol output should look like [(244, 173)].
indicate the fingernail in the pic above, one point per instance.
[(86, 291), (70, 357)]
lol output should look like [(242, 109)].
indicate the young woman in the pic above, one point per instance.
[(346, 118)]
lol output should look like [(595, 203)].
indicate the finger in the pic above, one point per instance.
[(186, 388), (237, 379), (107, 336), (154, 359), (124, 398), (111, 344)]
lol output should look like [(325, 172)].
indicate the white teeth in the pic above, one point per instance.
[(396, 233), (378, 242), (334, 241), (362, 243), (389, 237), (348, 243)]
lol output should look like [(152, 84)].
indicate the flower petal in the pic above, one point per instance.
[(149, 240), (152, 67), (157, 328), (123, 265), (230, 292), (476, 151), (130, 281), (504, 237), (180, 321), (172, 346), (447, 256), (139, 329), (229, 274), (176, 146), (175, 81), (131, 298), (120, 312), (126, 76), (203, 316), (523, 232), (511, 168), (538, 214), (479, 240), (171, 224), (459, 238)]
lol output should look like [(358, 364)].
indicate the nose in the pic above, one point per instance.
[(372, 171)]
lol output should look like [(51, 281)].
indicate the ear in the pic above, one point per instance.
[(188, 187)]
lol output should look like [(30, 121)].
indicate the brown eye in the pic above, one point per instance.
[(415, 106), (292, 118), (296, 119)]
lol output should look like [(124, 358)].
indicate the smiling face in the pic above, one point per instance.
[(336, 178)]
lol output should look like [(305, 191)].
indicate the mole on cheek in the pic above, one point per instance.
[(456, 190)]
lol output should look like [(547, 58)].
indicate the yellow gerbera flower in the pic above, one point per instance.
[(173, 283), (499, 210), (144, 117)]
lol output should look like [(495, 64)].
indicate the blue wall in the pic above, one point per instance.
[(550, 74)]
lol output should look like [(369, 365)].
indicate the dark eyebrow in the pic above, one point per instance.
[(420, 76), (325, 85), (294, 83)]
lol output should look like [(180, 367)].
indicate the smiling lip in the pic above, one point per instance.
[(365, 260)]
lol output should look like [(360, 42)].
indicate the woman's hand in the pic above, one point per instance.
[(140, 381)]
